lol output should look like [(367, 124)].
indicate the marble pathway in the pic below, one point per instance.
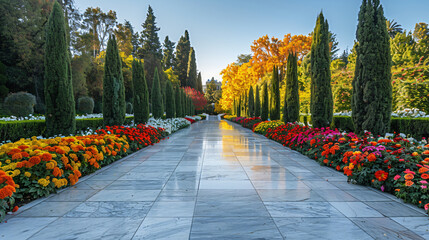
[(217, 180)]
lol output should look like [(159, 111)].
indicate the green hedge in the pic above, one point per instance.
[(15, 130), (415, 127)]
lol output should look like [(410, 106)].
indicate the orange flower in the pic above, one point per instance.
[(65, 160), (423, 170), (16, 156), (409, 176), (46, 157), (373, 143), (425, 176), (381, 175), (34, 160), (371, 157), (56, 172), (414, 154), (409, 183), (426, 152)]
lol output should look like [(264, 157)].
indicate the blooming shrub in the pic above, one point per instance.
[(263, 127), (250, 122), (170, 125), (392, 164)]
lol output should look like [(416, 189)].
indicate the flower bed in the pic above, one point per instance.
[(170, 125), (397, 165), (42, 166)]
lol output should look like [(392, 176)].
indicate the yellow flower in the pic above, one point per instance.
[(27, 174), (8, 161), (43, 182)]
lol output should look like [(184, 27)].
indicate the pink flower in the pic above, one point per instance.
[(423, 182), (423, 186), (408, 171), (427, 206), (382, 188), (397, 177)]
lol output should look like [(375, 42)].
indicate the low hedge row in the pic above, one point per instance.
[(415, 127), (15, 130)]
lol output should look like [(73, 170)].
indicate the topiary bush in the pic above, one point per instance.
[(129, 108), (85, 105), (20, 104)]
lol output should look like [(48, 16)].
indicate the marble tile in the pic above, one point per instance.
[(279, 185), (146, 176), (418, 225), (136, 185), (319, 228), (344, 185), (271, 176), (92, 184), (172, 209), (125, 195), (230, 209), (302, 209), (335, 195), (385, 228), (71, 195), (110, 209), (318, 185), (394, 209), (289, 195), (368, 195), (234, 228), (222, 175), (164, 228), (182, 184), (49, 209), (90, 229), (177, 196), (355, 209), (23, 228), (226, 184), (226, 195)]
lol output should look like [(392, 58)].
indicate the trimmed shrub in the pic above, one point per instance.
[(85, 105), (20, 104)]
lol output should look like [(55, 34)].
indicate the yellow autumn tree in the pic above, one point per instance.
[(266, 52)]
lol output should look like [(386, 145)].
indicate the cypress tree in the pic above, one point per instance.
[(199, 83), (59, 99), (257, 103), (264, 109), (140, 93), (182, 94), (372, 89), (182, 57), (191, 77), (291, 108), (157, 104), (168, 54), (178, 101), (251, 103), (234, 108), (170, 103), (321, 105), (113, 86), (275, 95)]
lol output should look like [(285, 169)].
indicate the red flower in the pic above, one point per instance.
[(381, 175)]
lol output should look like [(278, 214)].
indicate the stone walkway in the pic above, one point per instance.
[(217, 180)]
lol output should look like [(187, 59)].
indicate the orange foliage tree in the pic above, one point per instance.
[(266, 52)]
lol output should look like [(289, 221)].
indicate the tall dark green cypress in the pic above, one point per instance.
[(59, 99), (275, 95), (239, 107), (178, 101), (168, 54), (257, 103), (182, 93), (291, 107), (157, 104), (140, 93), (264, 109), (170, 101), (372, 89), (246, 106), (199, 83), (113, 86), (182, 57), (251, 104), (321, 105), (192, 76)]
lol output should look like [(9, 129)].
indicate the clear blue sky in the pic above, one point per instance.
[(220, 30)]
